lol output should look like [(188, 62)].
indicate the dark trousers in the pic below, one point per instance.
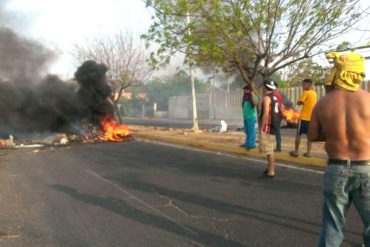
[(278, 135)]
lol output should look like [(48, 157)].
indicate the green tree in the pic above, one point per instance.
[(125, 56), (158, 90), (239, 82), (306, 69), (132, 106), (253, 37), (345, 45)]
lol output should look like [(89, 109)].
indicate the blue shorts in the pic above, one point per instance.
[(303, 127)]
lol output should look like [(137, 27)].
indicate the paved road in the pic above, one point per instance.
[(147, 194)]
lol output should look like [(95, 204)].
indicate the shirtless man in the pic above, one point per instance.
[(342, 120)]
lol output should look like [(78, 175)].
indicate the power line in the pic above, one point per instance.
[(352, 49), (355, 48)]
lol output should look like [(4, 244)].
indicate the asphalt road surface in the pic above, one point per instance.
[(148, 194)]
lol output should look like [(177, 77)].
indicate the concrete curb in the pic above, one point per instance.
[(282, 157)]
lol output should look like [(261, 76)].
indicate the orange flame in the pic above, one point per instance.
[(113, 131), (291, 115)]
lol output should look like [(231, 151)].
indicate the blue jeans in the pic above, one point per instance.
[(250, 133), (343, 185)]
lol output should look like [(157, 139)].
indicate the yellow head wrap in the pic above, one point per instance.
[(348, 71)]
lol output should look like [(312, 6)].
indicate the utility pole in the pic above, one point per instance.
[(213, 94), (228, 89), (228, 82), (192, 75)]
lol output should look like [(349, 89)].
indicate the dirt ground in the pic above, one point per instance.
[(230, 138)]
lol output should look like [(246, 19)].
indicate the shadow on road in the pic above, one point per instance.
[(224, 207), (121, 208)]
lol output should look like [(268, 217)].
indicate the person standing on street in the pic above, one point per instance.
[(249, 104), (308, 100), (342, 119), (268, 118)]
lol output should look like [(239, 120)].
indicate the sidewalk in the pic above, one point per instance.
[(229, 142)]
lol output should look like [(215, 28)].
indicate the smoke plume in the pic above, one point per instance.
[(22, 61), (33, 101), (94, 91)]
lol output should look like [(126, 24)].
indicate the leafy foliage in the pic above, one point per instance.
[(123, 54), (239, 82), (343, 46), (256, 38), (306, 69), (159, 90)]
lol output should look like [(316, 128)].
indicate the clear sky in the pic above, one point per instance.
[(61, 24)]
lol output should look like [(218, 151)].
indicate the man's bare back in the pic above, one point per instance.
[(342, 119)]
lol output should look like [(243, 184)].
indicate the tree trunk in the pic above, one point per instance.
[(118, 113), (195, 115)]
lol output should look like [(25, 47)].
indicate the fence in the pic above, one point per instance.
[(222, 105), (294, 93), (216, 105)]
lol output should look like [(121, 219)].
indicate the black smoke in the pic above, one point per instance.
[(33, 101), (22, 61), (29, 100), (94, 91), (52, 105)]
